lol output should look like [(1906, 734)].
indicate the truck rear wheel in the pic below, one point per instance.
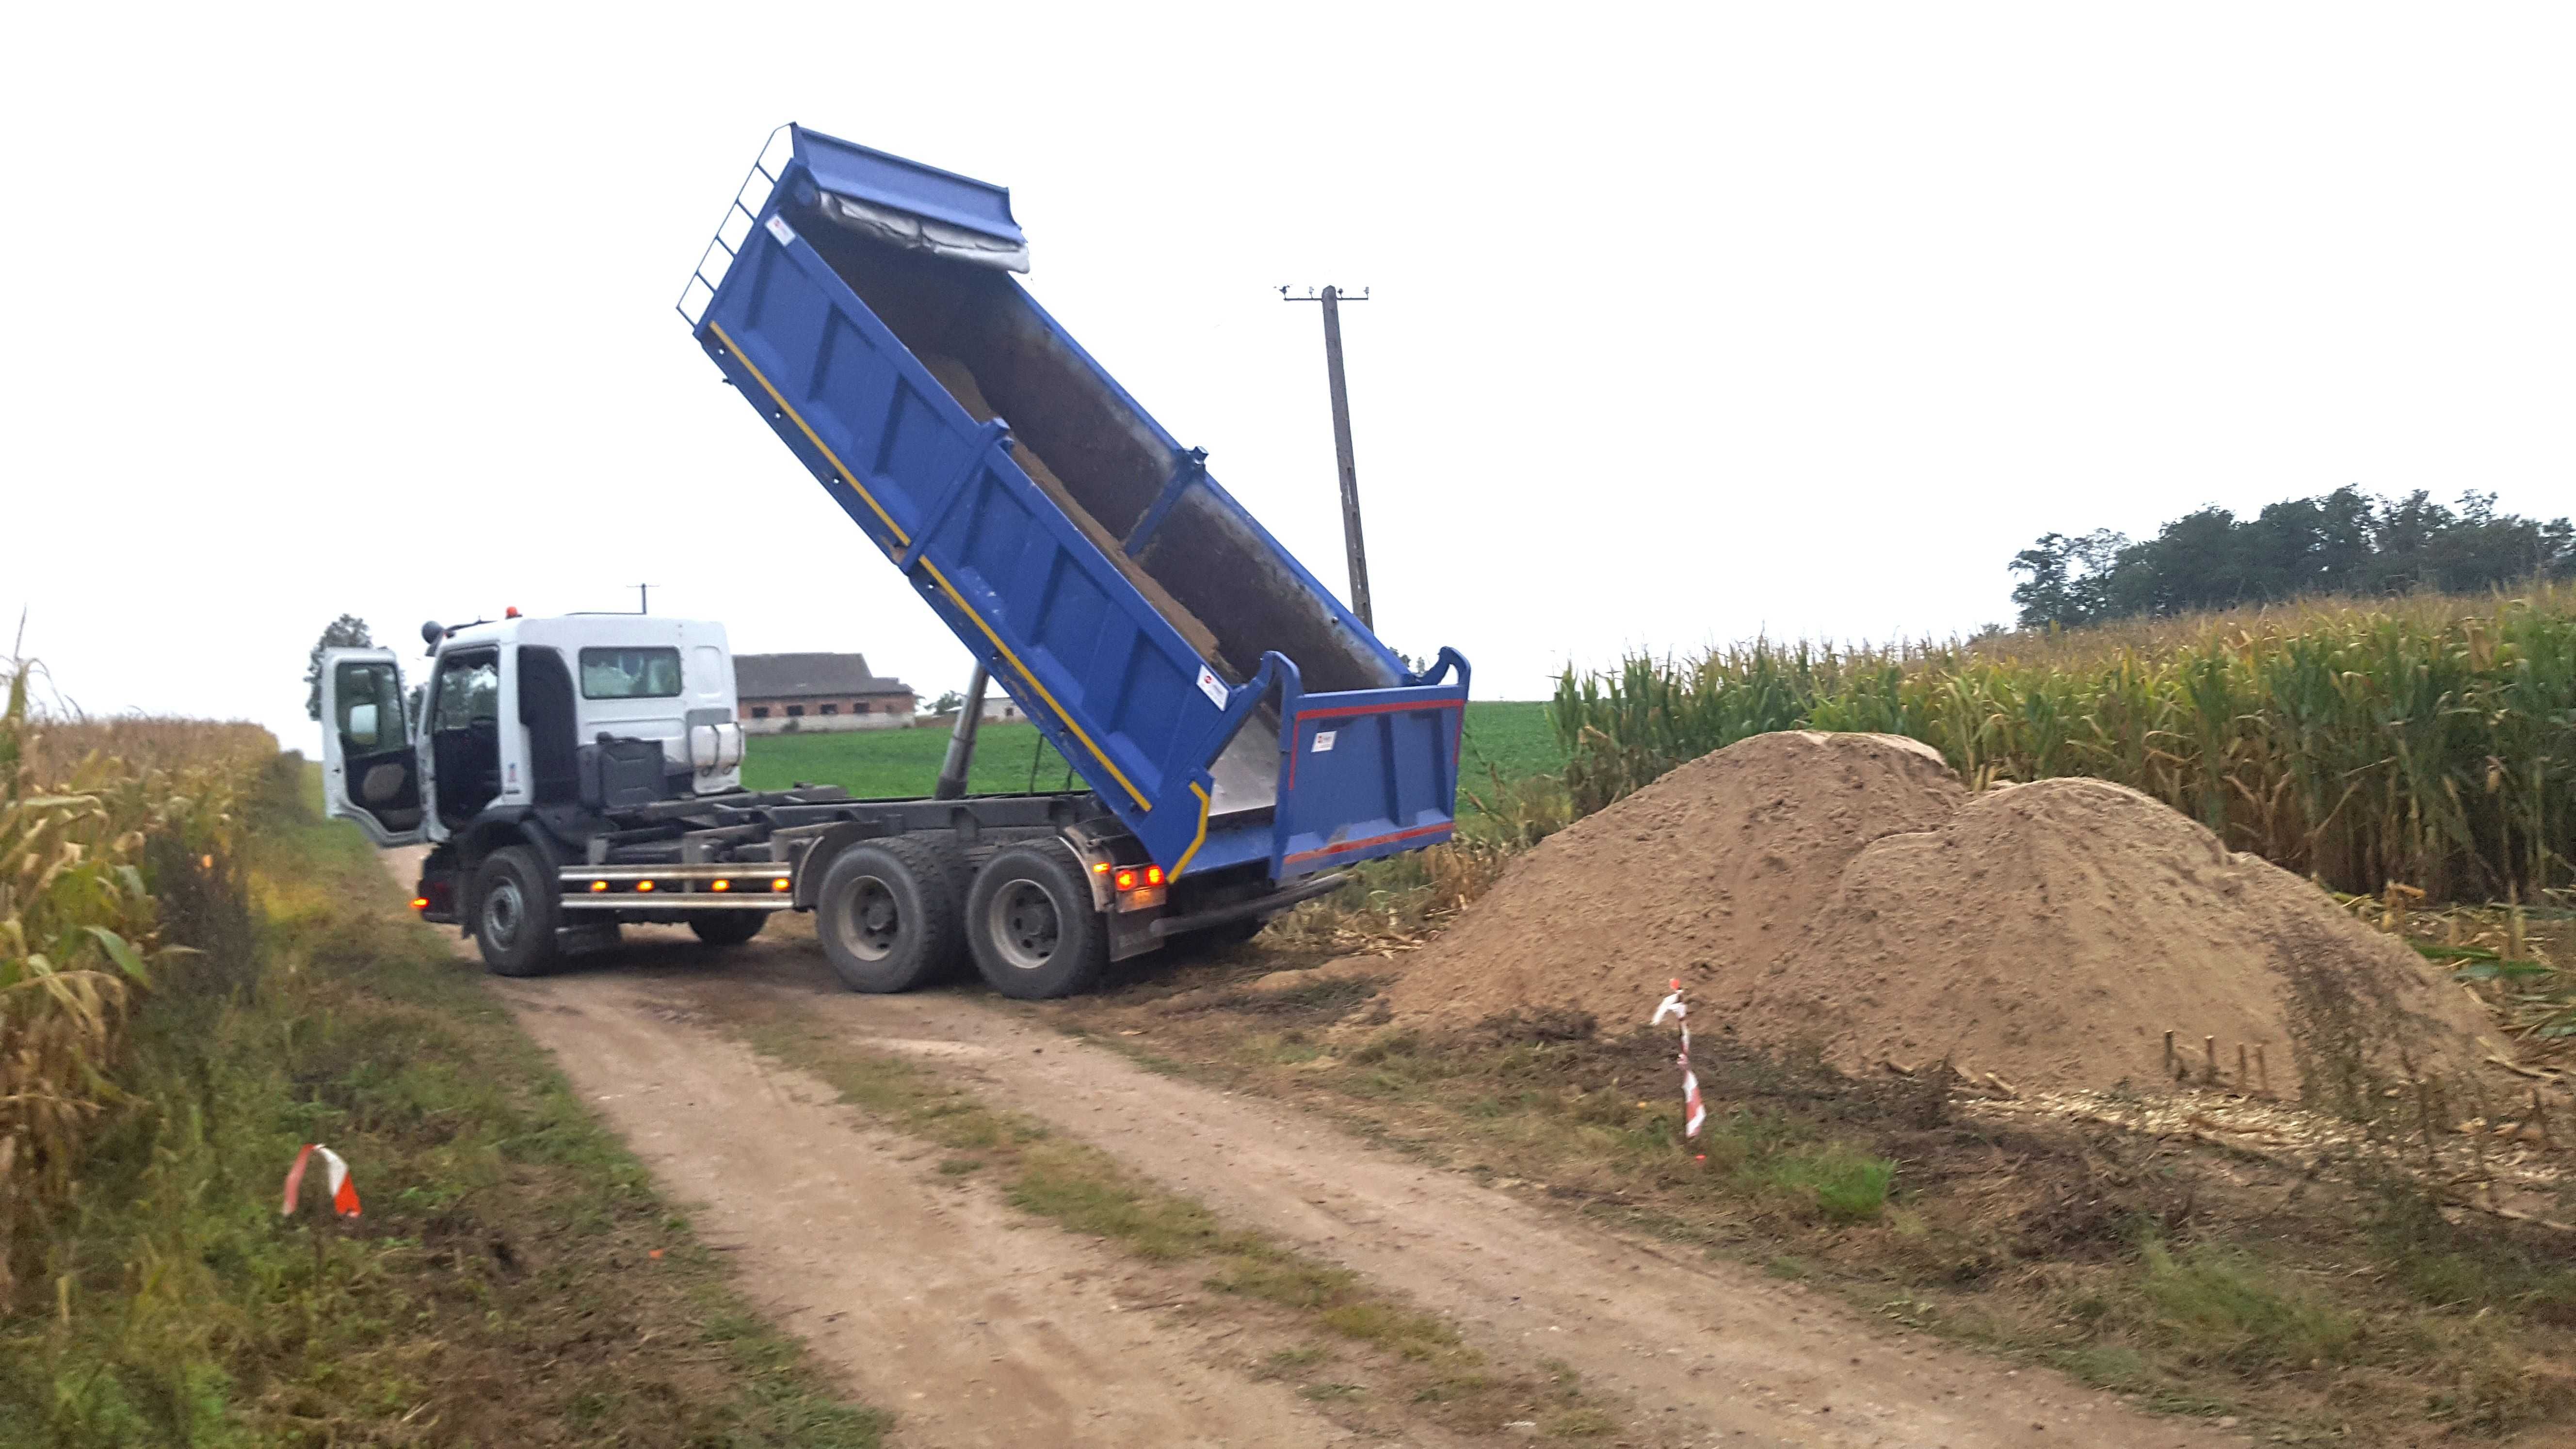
[(887, 914), (728, 928), (1030, 920), (516, 910)]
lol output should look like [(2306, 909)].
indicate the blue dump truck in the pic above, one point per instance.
[(1243, 735)]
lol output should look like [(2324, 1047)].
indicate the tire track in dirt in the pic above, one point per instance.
[(979, 1328), (941, 1302)]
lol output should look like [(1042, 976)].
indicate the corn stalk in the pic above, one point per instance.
[(2428, 741), (80, 930)]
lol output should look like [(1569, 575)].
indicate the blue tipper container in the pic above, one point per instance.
[(1208, 689)]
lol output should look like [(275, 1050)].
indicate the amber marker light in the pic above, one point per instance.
[(720, 885), (779, 884), (420, 903), (598, 886), (643, 885)]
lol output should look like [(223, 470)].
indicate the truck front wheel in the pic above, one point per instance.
[(887, 914), (1031, 922), (516, 910)]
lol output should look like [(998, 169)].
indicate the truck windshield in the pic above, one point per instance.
[(630, 673), (469, 689)]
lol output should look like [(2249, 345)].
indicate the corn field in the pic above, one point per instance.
[(88, 840), (2428, 742)]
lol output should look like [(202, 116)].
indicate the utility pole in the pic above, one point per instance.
[(1333, 299)]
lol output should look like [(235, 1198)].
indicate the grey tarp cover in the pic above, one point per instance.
[(921, 234)]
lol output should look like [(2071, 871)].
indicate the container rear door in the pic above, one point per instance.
[(1367, 773)]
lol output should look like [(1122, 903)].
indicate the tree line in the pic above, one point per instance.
[(2344, 542)]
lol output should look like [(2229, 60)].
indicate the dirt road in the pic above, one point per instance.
[(944, 1304)]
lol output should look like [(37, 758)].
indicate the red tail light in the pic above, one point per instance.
[(1125, 880), (1153, 875), (420, 903)]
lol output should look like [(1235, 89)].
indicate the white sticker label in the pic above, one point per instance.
[(779, 228), (1211, 686), (1323, 742)]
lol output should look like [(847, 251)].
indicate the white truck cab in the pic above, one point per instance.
[(533, 743), (522, 714)]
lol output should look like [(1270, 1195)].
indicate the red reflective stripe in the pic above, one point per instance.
[(1364, 844), (1347, 710), (1339, 710)]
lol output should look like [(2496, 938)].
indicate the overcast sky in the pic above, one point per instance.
[(1688, 322)]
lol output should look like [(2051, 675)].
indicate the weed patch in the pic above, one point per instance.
[(2220, 1306)]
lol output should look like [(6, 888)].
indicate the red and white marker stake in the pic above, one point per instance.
[(1697, 1111), (335, 1174)]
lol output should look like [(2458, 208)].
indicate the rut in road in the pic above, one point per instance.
[(1704, 1352), (934, 1298)]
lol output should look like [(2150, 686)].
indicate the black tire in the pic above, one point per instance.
[(728, 928), (516, 910), (1031, 923), (887, 913)]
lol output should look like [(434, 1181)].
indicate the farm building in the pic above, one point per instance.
[(999, 708), (780, 692)]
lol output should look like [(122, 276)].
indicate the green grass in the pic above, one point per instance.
[(1513, 737), (513, 1279), (2222, 1306), (1845, 1186), (889, 763)]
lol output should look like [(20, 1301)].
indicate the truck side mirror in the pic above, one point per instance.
[(362, 725)]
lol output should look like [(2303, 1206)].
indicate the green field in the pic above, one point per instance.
[(1511, 736)]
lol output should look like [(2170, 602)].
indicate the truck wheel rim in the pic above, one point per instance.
[(1023, 925), (504, 912), (870, 923)]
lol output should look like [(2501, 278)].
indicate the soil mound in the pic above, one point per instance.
[(1714, 867), (2054, 932), (1845, 891)]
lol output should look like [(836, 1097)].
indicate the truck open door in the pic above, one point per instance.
[(369, 773)]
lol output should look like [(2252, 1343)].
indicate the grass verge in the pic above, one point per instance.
[(1399, 1359), (513, 1280)]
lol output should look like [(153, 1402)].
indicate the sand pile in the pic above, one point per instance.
[(1845, 890), (1718, 863)]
